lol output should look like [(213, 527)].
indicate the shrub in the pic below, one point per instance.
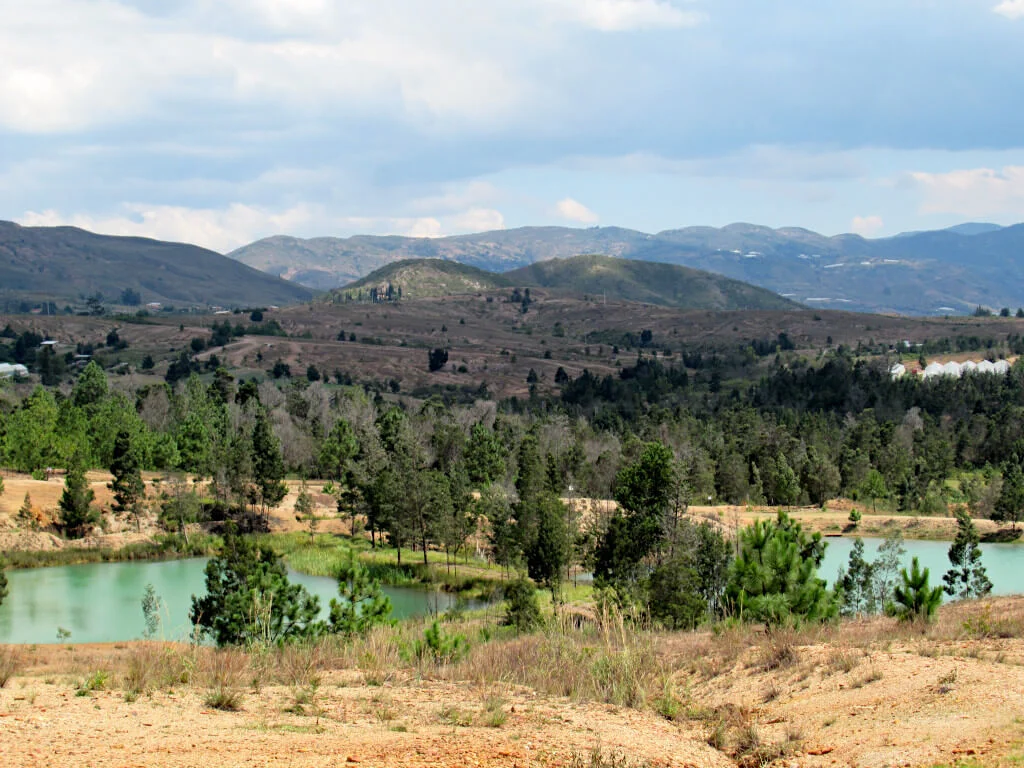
[(915, 600), (522, 610), (439, 646)]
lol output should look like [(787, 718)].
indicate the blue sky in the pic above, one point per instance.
[(222, 121)]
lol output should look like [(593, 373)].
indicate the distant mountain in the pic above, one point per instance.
[(64, 263), (940, 272), (629, 280), (425, 278)]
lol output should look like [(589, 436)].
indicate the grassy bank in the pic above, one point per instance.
[(169, 547), (323, 554)]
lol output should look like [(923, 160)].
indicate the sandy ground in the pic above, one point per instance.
[(869, 695)]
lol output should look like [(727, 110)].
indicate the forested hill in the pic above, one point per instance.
[(65, 264), (927, 273), (651, 283)]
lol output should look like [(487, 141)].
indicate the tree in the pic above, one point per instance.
[(312, 373), (305, 510), (180, 507), (494, 507), (91, 387), (127, 485), (27, 515), (77, 515), (774, 578), (674, 594), (549, 551), (249, 600), (151, 612), (3, 583), (437, 359), (874, 488), (856, 584), (363, 605), (521, 608), (1010, 504), (885, 569), (914, 599), (485, 456), (967, 578), (267, 464)]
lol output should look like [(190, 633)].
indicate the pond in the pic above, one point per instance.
[(101, 602), (1004, 562)]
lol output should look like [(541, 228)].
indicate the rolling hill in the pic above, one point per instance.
[(615, 279), (666, 285), (426, 278), (940, 272), (64, 264)]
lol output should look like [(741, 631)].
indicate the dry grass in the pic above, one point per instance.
[(11, 663)]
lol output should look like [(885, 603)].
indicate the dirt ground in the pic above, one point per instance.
[(869, 694)]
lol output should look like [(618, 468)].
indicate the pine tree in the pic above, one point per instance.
[(857, 584), (549, 551), (77, 514), (26, 515), (305, 510), (775, 578), (267, 464), (967, 578), (363, 605), (1010, 504), (127, 485), (915, 600)]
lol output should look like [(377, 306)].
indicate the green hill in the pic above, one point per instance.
[(423, 278), (652, 283), (64, 264)]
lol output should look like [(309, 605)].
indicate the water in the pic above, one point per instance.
[(1004, 562), (101, 602)]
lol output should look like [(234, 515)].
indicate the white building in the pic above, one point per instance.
[(16, 371)]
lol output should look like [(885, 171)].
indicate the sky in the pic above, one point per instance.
[(219, 122)]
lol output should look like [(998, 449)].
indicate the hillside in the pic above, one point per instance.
[(63, 264), (651, 283), (942, 272), (426, 278)]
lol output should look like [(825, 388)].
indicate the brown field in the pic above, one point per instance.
[(864, 693), (407, 330)]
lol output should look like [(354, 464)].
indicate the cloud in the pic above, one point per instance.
[(866, 226), (977, 192), (224, 229), (1011, 9), (573, 210), (626, 15)]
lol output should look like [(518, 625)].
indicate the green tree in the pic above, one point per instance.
[(179, 507), (821, 477), (494, 508), (674, 594), (249, 600), (151, 604), (885, 569), (774, 579), (3, 582), (522, 610), (485, 456), (91, 387), (363, 605), (267, 464), (127, 486), (1010, 504), (305, 510), (856, 584), (77, 516), (914, 599), (549, 551), (26, 515), (967, 578), (874, 488)]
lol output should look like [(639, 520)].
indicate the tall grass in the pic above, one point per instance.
[(169, 547)]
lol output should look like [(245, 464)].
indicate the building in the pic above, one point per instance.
[(15, 371)]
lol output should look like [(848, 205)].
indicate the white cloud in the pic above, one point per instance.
[(224, 229), (1011, 9), (572, 210), (977, 192), (866, 226), (625, 15)]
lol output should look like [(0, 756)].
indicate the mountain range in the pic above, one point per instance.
[(604, 277), (66, 264), (934, 272)]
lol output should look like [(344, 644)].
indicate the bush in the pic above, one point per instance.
[(439, 646), (915, 600), (521, 608)]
